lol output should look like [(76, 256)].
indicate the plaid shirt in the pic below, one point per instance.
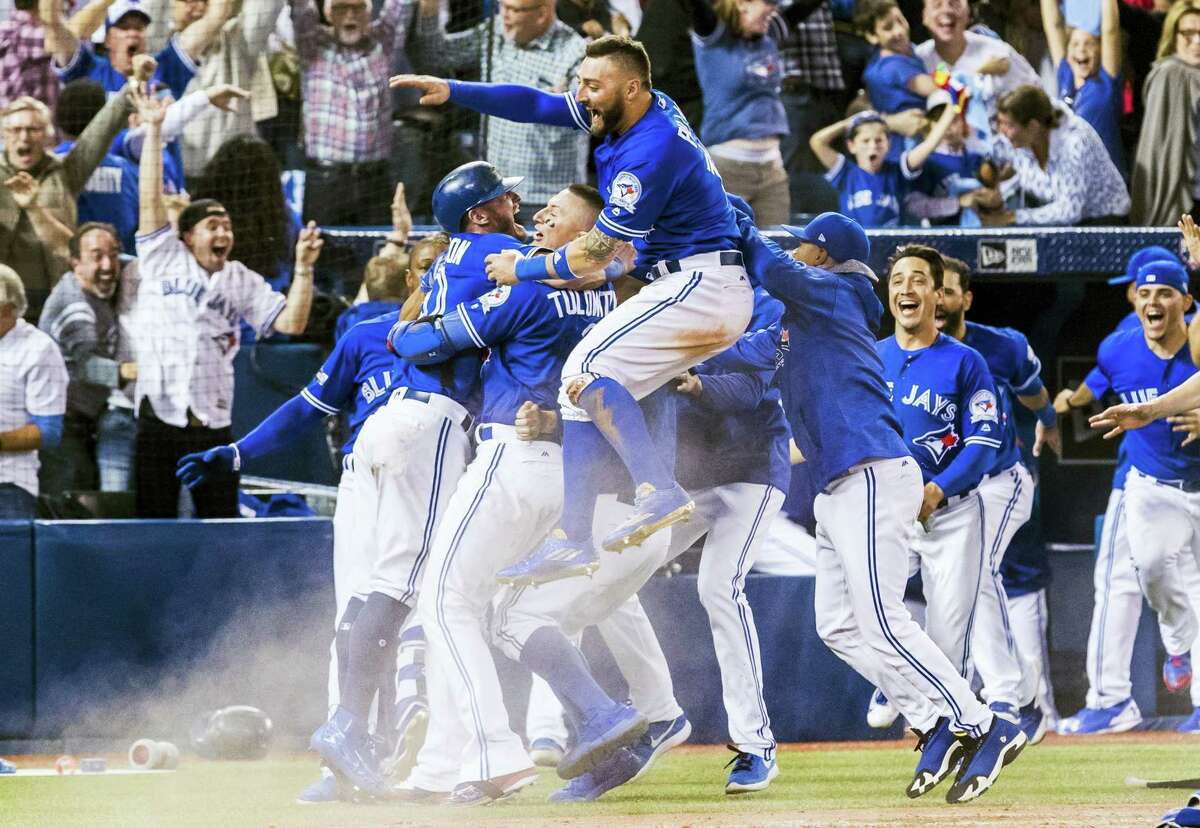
[(550, 158), (347, 104), (809, 51), (25, 67)]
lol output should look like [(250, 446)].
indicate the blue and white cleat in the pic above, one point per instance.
[(7, 767), (1177, 673), (941, 753), (545, 752), (347, 751), (1116, 718), (881, 713), (750, 772), (555, 559), (324, 790), (986, 757), (658, 739), (1033, 723), (654, 509), (619, 768), (1008, 711), (600, 735), (1192, 723)]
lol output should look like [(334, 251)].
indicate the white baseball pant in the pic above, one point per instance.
[(507, 501), (607, 600), (1028, 616), (864, 530), (1162, 526), (439, 762), (671, 324), (737, 519), (352, 526), (1118, 607), (1007, 504)]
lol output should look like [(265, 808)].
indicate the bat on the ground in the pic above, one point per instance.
[(1138, 782)]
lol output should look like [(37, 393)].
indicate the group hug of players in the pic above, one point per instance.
[(529, 429)]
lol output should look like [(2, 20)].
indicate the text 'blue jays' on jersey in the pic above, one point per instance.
[(356, 375), (1016, 372), (1136, 374), (530, 329), (834, 393), (662, 191), (457, 275), (945, 400)]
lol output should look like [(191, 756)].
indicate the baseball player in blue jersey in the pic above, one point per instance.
[(505, 504), (1109, 706), (1008, 492), (1163, 482), (665, 196), (413, 451), (839, 408)]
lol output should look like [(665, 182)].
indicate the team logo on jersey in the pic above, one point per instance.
[(938, 442), (982, 407), (626, 190), (494, 299)]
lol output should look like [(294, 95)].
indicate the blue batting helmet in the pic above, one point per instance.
[(465, 187)]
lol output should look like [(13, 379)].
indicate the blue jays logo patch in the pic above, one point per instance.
[(938, 442), (494, 298), (982, 407), (625, 191)]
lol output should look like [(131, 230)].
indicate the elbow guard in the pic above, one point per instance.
[(431, 342)]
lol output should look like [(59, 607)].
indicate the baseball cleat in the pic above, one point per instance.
[(658, 739), (1008, 711), (417, 796), (487, 791), (6, 767), (1033, 723), (750, 772), (941, 754), (555, 559), (324, 790), (411, 727), (347, 752), (1116, 718), (1192, 723), (545, 753), (654, 509), (881, 713), (600, 735), (619, 768), (1177, 673), (986, 757)]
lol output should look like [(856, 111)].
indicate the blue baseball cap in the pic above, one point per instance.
[(1169, 273), (1153, 253), (841, 237)]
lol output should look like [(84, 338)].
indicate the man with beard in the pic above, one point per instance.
[(191, 300), (97, 441), (663, 195)]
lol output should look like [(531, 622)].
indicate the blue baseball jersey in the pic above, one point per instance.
[(834, 394), (661, 188), (886, 80), (736, 432), (1016, 372), (530, 329), (1129, 322), (945, 400), (1136, 374), (872, 199), (1025, 567), (458, 275), (111, 195), (356, 375), (175, 69), (354, 314), (947, 174)]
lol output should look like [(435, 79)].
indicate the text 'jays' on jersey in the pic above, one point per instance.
[(529, 329), (945, 400), (1136, 374), (1016, 372)]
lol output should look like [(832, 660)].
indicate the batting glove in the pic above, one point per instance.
[(194, 469)]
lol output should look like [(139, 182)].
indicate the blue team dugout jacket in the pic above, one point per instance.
[(356, 375), (1016, 372), (946, 403), (735, 432), (661, 189), (1136, 374), (834, 394)]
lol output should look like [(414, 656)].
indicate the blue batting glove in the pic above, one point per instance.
[(194, 469), (395, 334)]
